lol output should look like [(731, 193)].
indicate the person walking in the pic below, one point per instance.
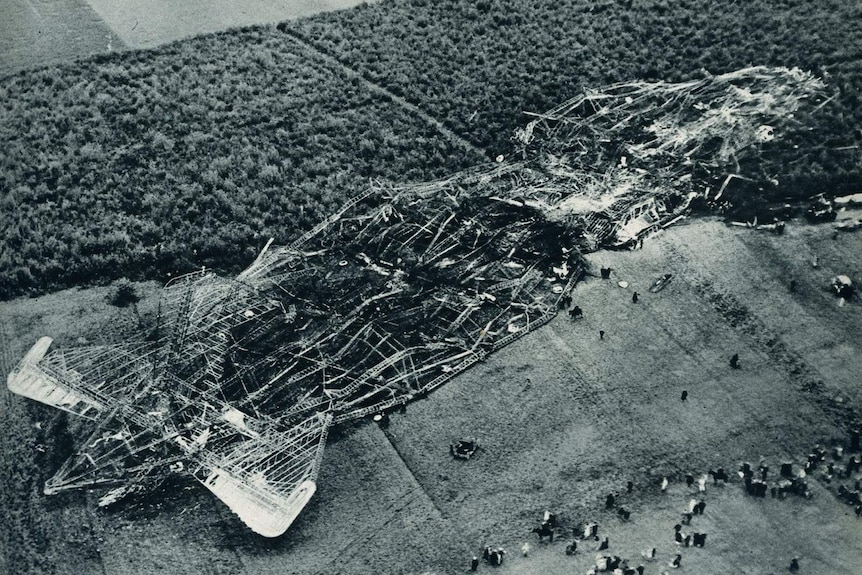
[(684, 395), (601, 334), (635, 296)]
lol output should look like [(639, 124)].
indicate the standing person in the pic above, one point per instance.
[(635, 297), (734, 361), (686, 518), (474, 564), (604, 544), (684, 395), (601, 334), (629, 486)]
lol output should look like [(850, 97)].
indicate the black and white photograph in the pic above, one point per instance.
[(430, 287)]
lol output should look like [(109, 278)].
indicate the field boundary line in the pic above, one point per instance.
[(417, 485), (333, 61)]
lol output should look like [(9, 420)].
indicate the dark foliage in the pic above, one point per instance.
[(478, 65), (146, 164), (124, 294)]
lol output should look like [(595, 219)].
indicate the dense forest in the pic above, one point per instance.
[(145, 164), (478, 65)]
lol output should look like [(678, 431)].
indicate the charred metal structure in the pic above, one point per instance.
[(396, 293)]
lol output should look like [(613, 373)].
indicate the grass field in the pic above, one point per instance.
[(216, 143), (40, 32), (563, 417), (149, 24), (35, 33)]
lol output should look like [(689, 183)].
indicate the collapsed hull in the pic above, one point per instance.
[(394, 294)]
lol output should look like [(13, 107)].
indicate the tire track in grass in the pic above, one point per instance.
[(360, 543), (684, 333), (414, 494), (744, 321), (415, 484)]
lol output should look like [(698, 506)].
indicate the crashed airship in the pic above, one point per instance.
[(400, 290)]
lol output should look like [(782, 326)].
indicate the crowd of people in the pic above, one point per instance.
[(833, 465)]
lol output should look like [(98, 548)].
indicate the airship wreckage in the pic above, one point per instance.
[(396, 293)]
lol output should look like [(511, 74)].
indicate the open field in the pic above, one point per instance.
[(38, 32), (149, 24), (564, 418), (35, 33)]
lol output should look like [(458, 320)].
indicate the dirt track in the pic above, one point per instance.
[(565, 418)]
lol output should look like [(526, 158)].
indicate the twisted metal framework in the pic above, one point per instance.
[(397, 292)]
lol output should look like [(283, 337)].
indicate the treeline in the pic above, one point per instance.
[(146, 164), (479, 65)]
